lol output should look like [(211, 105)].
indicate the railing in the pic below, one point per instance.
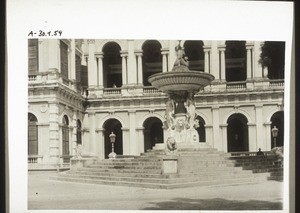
[(32, 78), (150, 90), (248, 154), (276, 83), (32, 159), (112, 91), (236, 85)]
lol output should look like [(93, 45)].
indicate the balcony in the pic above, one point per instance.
[(238, 85), (150, 90), (112, 91), (34, 159)]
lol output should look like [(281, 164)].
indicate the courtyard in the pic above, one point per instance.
[(45, 194)]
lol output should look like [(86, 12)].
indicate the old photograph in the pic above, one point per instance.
[(160, 124), (149, 106)]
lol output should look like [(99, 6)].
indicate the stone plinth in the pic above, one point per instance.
[(170, 165), (77, 163)]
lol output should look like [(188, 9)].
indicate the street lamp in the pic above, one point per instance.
[(275, 134), (112, 138)]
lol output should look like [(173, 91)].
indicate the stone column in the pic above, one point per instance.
[(257, 68), (216, 128), (73, 63), (54, 54), (54, 151), (92, 72), (126, 141), (224, 137), (132, 69), (140, 139), (164, 54), (267, 136), (99, 57), (100, 141), (259, 127), (214, 58), (223, 64), (209, 135), (206, 60), (92, 142), (74, 134), (133, 137), (249, 61), (124, 68), (139, 55), (252, 137)]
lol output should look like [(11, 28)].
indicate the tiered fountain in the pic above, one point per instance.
[(181, 84)]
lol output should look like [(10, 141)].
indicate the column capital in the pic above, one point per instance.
[(267, 123), (222, 49), (99, 54), (249, 47), (206, 50), (138, 52), (206, 47), (164, 52), (124, 55)]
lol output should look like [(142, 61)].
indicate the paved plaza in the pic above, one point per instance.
[(44, 193)]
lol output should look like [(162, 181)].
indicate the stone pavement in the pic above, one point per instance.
[(44, 193)]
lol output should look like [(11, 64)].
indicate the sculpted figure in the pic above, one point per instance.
[(171, 146), (191, 110), (181, 59), (169, 114)]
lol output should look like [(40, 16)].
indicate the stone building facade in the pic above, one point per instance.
[(81, 90)]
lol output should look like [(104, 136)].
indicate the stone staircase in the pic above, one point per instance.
[(261, 164), (196, 167)]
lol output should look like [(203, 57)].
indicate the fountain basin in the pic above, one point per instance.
[(191, 81)]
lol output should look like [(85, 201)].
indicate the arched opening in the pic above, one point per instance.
[(153, 132), (115, 126), (277, 120), (237, 133), (152, 60), (194, 51), (272, 56), (201, 129), (235, 59), (112, 65), (65, 136), (32, 135), (78, 132)]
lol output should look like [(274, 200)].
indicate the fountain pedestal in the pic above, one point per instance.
[(180, 117)]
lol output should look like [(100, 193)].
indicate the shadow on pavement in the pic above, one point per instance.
[(214, 204)]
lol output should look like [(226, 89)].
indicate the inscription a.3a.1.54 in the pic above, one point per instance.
[(41, 33)]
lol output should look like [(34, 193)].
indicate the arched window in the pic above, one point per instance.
[(277, 120), (235, 58), (65, 135), (32, 135), (237, 133), (78, 132), (152, 60), (153, 132), (273, 56), (201, 129), (194, 51), (112, 65), (115, 126)]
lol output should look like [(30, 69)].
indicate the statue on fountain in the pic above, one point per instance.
[(181, 63), (180, 116)]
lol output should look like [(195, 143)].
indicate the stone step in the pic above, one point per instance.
[(231, 181), (125, 166), (184, 173), (148, 171), (156, 179)]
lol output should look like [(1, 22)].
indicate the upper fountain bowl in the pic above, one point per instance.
[(191, 81)]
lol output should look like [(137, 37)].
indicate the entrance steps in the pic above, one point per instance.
[(196, 167)]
